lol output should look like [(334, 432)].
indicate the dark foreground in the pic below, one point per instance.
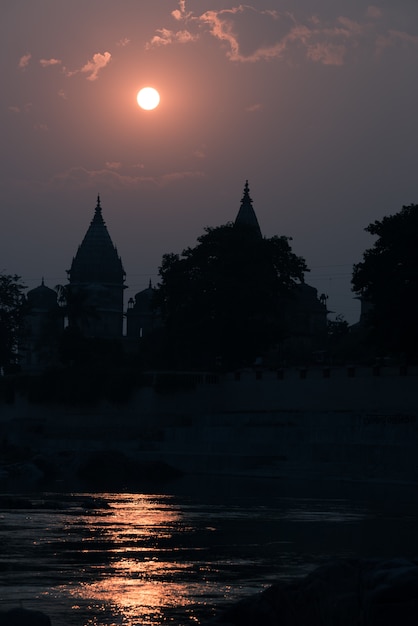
[(344, 593)]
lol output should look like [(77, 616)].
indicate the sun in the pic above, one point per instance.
[(148, 98)]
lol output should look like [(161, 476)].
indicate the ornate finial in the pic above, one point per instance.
[(43, 282), (98, 207), (150, 284), (246, 196)]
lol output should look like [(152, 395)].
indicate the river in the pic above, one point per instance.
[(179, 555)]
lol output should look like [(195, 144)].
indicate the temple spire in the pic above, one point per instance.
[(246, 214), (97, 272), (98, 217), (246, 197)]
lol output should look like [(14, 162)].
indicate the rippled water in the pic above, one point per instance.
[(152, 559)]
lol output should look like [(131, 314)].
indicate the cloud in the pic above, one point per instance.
[(254, 107), (82, 178), (328, 54), (43, 128), (113, 165), (166, 37), (348, 28), (222, 26), (200, 153), (123, 42), (374, 12), (181, 13), (250, 35), (315, 39), (98, 62), (92, 67), (24, 61), (222, 29), (393, 38), (15, 109), (172, 177), (49, 62), (62, 94)]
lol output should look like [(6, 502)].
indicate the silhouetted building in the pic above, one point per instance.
[(306, 324), (246, 214), (44, 323), (96, 283), (94, 300), (304, 314), (141, 316), (366, 307)]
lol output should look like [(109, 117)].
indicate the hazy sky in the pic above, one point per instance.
[(316, 103)]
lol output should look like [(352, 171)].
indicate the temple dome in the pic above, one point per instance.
[(143, 299), (42, 297)]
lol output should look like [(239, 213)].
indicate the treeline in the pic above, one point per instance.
[(226, 302)]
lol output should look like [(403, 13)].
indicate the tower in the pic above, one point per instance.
[(96, 283), (246, 214), (304, 316), (42, 329)]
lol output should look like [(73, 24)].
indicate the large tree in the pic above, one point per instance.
[(12, 301), (387, 281), (224, 297)]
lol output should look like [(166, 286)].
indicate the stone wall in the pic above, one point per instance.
[(359, 424)]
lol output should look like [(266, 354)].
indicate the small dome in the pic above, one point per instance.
[(143, 299), (42, 297)]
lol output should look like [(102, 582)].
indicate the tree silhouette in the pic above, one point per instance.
[(225, 297), (387, 280), (12, 303)]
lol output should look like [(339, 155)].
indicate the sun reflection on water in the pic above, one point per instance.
[(137, 578), (119, 559)]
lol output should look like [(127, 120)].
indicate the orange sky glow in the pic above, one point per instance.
[(315, 107)]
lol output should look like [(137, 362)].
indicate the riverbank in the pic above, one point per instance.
[(346, 424)]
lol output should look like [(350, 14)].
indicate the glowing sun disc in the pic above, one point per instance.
[(148, 98)]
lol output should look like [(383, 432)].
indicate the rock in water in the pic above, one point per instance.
[(363, 592)]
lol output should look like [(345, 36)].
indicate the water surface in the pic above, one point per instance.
[(177, 557)]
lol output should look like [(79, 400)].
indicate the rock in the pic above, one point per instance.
[(392, 593), (23, 617), (343, 593)]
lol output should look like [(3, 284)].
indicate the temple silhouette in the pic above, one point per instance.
[(97, 280), (93, 301)]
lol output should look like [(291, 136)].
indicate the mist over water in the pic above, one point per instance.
[(177, 557)]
